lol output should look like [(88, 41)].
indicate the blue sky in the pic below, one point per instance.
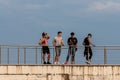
[(23, 21)]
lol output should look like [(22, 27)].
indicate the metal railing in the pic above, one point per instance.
[(32, 54)]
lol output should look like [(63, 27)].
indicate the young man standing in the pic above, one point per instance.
[(88, 51), (72, 42), (58, 42), (44, 43)]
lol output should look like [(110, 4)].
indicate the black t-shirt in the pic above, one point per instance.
[(86, 42), (72, 41)]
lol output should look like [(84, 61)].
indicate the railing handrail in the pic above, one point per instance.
[(38, 49), (36, 45)]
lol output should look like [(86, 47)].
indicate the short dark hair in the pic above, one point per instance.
[(72, 33), (59, 32), (90, 34), (43, 34)]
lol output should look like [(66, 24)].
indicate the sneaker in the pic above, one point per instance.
[(55, 62), (44, 63), (58, 63), (73, 62), (48, 63), (88, 62), (66, 63)]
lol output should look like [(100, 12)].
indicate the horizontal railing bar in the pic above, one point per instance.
[(94, 48), (36, 45)]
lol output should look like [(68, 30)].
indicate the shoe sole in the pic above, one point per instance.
[(88, 63)]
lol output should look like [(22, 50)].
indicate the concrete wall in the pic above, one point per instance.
[(60, 72)]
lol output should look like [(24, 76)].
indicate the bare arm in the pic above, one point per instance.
[(48, 36), (62, 43), (40, 42), (53, 42), (77, 44), (83, 43), (69, 42), (91, 42)]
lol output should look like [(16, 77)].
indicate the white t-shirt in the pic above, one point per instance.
[(58, 41)]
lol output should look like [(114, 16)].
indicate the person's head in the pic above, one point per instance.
[(72, 34), (44, 34), (59, 34), (89, 35)]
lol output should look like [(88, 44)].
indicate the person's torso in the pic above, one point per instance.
[(44, 42), (86, 41), (73, 40), (58, 41)]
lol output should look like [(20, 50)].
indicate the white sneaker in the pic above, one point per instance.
[(89, 62), (55, 62), (58, 62)]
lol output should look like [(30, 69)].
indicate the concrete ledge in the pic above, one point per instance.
[(60, 72)]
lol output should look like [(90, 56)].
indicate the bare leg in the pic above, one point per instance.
[(44, 57), (48, 57), (55, 59)]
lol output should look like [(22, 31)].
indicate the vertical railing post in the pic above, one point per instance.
[(24, 55), (105, 56), (53, 54), (8, 55), (41, 55), (36, 56), (18, 55), (74, 53), (0, 55)]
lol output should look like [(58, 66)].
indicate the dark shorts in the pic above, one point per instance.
[(45, 50), (58, 50), (87, 50)]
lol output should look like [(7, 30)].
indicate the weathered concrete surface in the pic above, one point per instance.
[(59, 72)]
